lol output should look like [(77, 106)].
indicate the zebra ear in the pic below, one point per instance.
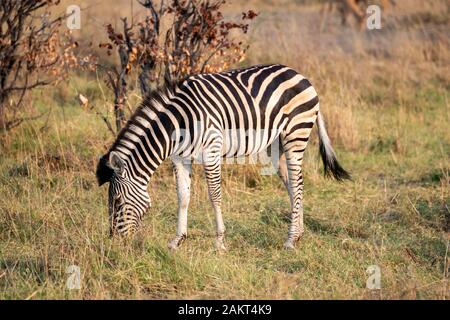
[(104, 172), (116, 163)]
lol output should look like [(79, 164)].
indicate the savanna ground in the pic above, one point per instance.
[(385, 96)]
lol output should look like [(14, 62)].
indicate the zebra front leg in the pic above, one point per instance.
[(212, 170), (183, 170)]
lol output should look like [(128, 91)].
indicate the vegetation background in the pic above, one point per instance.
[(385, 96)]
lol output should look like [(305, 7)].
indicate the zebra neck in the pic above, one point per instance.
[(146, 140)]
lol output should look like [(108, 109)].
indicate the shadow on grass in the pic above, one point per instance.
[(324, 228), (32, 270), (435, 214), (272, 226), (428, 251)]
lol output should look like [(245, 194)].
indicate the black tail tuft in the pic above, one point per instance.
[(331, 165)]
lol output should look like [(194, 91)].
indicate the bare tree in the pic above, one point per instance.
[(198, 35), (197, 40), (33, 53)]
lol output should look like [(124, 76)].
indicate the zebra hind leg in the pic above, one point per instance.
[(183, 170), (294, 157), (291, 175)]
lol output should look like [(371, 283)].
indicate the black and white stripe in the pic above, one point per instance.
[(212, 116)]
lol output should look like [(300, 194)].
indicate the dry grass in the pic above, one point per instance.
[(385, 97)]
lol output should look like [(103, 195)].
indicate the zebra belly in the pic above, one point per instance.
[(248, 141)]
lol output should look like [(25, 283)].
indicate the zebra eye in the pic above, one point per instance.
[(118, 200)]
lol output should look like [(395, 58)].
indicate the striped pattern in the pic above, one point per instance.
[(212, 116)]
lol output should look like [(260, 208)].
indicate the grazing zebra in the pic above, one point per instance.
[(214, 116)]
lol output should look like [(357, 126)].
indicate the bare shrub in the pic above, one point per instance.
[(34, 52), (198, 39)]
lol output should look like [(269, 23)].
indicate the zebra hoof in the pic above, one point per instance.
[(175, 243), (289, 245), (172, 246), (220, 246)]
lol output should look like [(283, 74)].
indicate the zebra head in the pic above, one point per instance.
[(128, 200)]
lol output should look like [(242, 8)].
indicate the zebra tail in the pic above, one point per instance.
[(330, 163)]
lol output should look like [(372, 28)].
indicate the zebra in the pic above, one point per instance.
[(274, 102)]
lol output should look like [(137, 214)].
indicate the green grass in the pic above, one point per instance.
[(393, 214)]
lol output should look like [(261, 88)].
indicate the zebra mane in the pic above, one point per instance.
[(104, 172), (160, 95)]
